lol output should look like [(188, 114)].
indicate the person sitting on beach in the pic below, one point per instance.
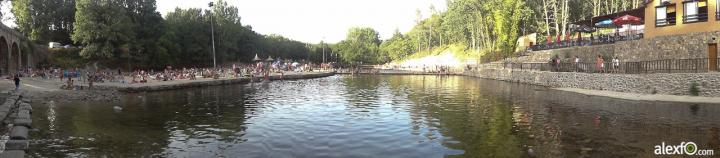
[(134, 79), (143, 77), (70, 85)]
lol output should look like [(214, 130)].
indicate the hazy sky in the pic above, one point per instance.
[(312, 20)]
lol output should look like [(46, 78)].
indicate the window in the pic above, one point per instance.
[(717, 10), (665, 15), (695, 11)]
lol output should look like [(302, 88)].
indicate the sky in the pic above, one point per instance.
[(313, 21)]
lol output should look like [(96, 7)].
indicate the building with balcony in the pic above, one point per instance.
[(676, 17)]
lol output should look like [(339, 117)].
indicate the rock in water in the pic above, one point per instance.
[(117, 108), (531, 153)]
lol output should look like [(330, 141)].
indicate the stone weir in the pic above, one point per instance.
[(204, 83), (16, 114), (395, 72)]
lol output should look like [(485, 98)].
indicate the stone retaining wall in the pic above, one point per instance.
[(16, 111), (661, 83), (686, 46)]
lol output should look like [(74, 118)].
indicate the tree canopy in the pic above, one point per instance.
[(361, 45), (490, 26), (132, 33)]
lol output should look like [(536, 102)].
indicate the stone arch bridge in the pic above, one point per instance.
[(12, 57)]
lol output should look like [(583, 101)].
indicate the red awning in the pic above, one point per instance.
[(638, 12), (627, 19)]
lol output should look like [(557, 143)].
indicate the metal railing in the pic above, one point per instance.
[(703, 17), (665, 22), (599, 39), (701, 65)]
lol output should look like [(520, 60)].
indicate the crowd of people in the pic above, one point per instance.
[(258, 70)]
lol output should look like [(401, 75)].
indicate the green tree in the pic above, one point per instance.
[(187, 38), (147, 24), (103, 27), (45, 20), (360, 45), (397, 47)]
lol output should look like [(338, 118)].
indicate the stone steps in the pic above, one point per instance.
[(17, 112)]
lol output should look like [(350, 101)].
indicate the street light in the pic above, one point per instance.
[(323, 48), (212, 32)]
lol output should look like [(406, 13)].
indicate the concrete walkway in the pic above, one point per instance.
[(644, 97)]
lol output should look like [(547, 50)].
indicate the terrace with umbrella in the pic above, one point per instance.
[(605, 29)]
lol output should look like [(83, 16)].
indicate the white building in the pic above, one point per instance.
[(54, 45)]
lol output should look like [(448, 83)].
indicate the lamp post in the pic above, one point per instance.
[(323, 48), (212, 32)]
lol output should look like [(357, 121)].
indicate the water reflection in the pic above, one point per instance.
[(370, 116)]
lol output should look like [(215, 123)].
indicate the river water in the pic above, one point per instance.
[(369, 116)]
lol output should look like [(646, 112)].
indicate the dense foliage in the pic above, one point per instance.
[(45, 20), (491, 27), (361, 45), (132, 34)]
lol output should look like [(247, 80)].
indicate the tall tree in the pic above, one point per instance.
[(45, 20), (103, 27), (147, 26), (397, 47), (360, 45)]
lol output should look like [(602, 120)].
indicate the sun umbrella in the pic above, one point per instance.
[(270, 58), (627, 20), (605, 23), (257, 58)]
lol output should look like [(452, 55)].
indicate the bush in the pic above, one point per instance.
[(694, 90), (66, 58)]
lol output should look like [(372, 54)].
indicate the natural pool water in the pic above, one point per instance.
[(369, 116)]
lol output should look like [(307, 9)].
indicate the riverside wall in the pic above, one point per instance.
[(660, 83), (16, 112), (685, 46)]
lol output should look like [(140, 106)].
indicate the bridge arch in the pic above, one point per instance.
[(4, 55), (24, 58), (14, 58)]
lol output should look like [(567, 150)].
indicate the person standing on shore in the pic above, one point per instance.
[(17, 82), (90, 81), (598, 63), (577, 63), (616, 64)]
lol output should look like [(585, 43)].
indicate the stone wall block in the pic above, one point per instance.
[(19, 133)]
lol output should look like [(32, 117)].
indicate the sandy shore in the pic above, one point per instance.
[(44, 90)]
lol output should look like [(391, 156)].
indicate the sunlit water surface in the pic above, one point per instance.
[(368, 116)]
